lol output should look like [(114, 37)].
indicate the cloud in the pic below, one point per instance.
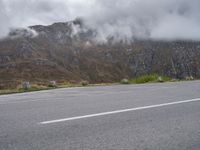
[(4, 21), (129, 19)]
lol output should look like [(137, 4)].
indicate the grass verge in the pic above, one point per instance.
[(152, 78)]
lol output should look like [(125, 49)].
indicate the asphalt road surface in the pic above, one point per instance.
[(124, 117)]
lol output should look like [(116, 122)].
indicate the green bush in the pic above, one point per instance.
[(165, 78), (84, 83), (150, 78)]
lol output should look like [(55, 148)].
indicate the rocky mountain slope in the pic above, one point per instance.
[(68, 52)]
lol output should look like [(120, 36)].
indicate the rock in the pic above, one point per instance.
[(189, 78), (26, 85), (124, 81), (160, 79), (52, 84)]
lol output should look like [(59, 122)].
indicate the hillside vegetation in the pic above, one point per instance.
[(56, 54)]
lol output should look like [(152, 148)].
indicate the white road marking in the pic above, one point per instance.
[(119, 111)]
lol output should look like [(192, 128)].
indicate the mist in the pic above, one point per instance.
[(123, 20)]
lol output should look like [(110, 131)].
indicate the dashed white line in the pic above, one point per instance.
[(118, 111)]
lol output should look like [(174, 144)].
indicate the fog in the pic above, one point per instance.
[(122, 19)]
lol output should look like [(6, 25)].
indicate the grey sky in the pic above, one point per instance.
[(124, 19)]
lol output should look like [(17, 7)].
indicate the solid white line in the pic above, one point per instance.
[(119, 111)]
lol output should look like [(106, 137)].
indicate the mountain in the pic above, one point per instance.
[(68, 52)]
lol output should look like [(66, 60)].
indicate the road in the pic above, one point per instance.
[(124, 117)]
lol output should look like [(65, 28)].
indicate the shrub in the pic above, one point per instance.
[(84, 83), (165, 78), (145, 79), (66, 84), (150, 78)]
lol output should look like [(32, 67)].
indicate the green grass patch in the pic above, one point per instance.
[(150, 79)]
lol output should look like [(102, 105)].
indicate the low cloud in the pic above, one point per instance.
[(123, 20)]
